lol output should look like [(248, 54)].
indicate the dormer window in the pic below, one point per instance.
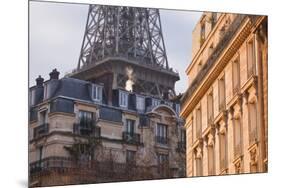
[(155, 102), (32, 97), (45, 91), (123, 99), (140, 103), (96, 93)]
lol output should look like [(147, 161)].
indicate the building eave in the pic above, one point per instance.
[(192, 96)]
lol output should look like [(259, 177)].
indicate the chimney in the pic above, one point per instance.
[(54, 74), (39, 81)]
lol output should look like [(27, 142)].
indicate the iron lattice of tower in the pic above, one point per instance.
[(120, 37), (128, 32)]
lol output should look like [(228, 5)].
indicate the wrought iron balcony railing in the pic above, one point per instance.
[(41, 130), (99, 168), (86, 129), (50, 163), (130, 137), (161, 140)]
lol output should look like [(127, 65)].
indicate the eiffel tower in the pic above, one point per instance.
[(120, 38)]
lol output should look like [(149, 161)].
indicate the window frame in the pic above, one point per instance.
[(155, 102), (97, 92), (130, 127), (87, 117), (236, 67), (139, 97), (123, 99)]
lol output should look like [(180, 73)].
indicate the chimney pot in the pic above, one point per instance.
[(54, 74), (39, 81)]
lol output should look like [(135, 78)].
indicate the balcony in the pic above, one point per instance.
[(181, 146), (94, 167), (161, 140), (41, 130), (50, 163), (88, 129), (131, 138)]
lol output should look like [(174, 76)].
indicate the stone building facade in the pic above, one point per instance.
[(73, 130), (225, 105)]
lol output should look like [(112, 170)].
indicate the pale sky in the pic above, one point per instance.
[(57, 29)]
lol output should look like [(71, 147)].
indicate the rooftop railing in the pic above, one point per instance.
[(161, 140), (86, 129)]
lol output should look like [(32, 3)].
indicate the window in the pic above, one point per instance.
[(198, 123), (97, 93), (155, 102), (199, 166), (210, 104), (235, 75), (182, 142), (130, 126), (40, 153), (214, 18), (130, 156), (43, 117), (237, 137), (86, 119), (123, 99), (162, 158), (251, 58), (161, 134), (222, 142), (252, 122), (211, 164), (140, 103), (32, 97), (169, 103), (221, 94), (202, 34)]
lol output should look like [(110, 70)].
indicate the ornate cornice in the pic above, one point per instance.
[(235, 36)]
